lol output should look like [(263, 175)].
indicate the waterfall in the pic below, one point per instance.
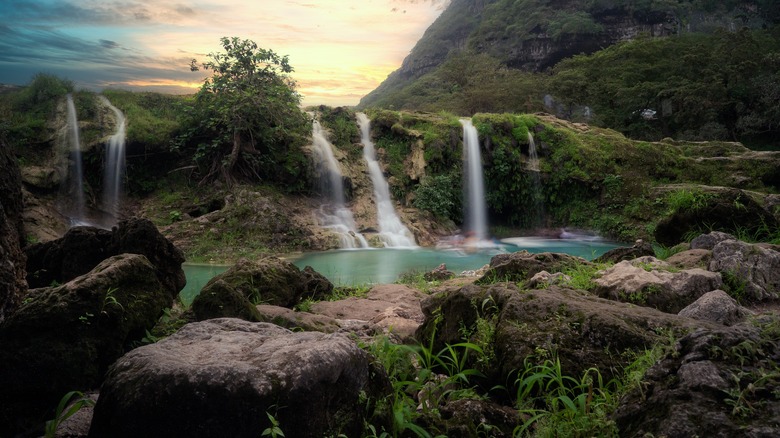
[(391, 230), (533, 162), (75, 176), (115, 163), (336, 216), (476, 215), (536, 189)]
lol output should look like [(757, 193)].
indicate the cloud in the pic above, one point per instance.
[(108, 44)]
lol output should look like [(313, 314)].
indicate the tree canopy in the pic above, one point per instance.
[(245, 123)]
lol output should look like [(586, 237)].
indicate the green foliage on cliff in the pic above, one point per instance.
[(25, 113), (153, 119), (701, 87)]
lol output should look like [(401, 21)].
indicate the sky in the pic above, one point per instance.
[(340, 49)]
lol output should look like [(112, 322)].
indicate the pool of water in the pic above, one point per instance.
[(376, 266)]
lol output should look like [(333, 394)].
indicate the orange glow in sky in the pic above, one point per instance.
[(340, 49)]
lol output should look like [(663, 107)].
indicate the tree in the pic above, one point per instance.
[(245, 122)]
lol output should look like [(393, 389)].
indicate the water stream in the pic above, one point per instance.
[(392, 231), (114, 169), (536, 182), (335, 215), (476, 213), (74, 182)]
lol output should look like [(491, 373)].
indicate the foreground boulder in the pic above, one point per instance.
[(64, 338), (720, 382), (716, 306), (650, 282), (522, 265), (640, 249), (584, 331), (223, 377), (270, 280), (752, 271), (82, 248)]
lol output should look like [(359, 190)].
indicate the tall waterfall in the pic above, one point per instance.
[(115, 163), (335, 216), (476, 217), (75, 175), (536, 189), (391, 230)]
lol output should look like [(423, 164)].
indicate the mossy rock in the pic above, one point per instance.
[(218, 299)]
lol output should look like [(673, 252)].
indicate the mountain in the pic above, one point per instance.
[(534, 35)]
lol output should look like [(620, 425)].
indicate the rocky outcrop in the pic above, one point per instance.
[(270, 280), (640, 249), (82, 248), (522, 265), (718, 382), (650, 282), (223, 377), (709, 240), (392, 309), (716, 306), (12, 259), (753, 272), (64, 338), (692, 258), (584, 331), (219, 299)]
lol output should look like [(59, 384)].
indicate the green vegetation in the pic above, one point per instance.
[(153, 119), (244, 123), (70, 403)]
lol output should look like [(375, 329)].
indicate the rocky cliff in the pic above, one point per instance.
[(533, 35), (12, 260)]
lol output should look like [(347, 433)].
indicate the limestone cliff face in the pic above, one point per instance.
[(12, 260), (533, 35)]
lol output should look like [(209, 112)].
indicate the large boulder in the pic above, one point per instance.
[(640, 249), (82, 248), (223, 377), (270, 280), (64, 338), (719, 382), (753, 272), (650, 282), (522, 265), (709, 240), (12, 259), (584, 331), (716, 306)]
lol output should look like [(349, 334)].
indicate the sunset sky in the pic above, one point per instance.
[(340, 49)]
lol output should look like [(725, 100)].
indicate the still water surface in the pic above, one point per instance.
[(377, 266)]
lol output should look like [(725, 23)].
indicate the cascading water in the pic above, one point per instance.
[(115, 163), (335, 216), (476, 215), (75, 176), (391, 230), (536, 189)]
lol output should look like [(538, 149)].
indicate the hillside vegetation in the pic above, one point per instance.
[(681, 60)]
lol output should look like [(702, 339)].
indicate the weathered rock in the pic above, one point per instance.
[(64, 338), (693, 258), (82, 248), (717, 383), (272, 280), (467, 418), (640, 249), (544, 278), (522, 265), (390, 308), (716, 306), (219, 299), (723, 210), (752, 271), (222, 376), (12, 259), (644, 282), (584, 331), (440, 273), (290, 319), (709, 240), (42, 221), (315, 285)]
